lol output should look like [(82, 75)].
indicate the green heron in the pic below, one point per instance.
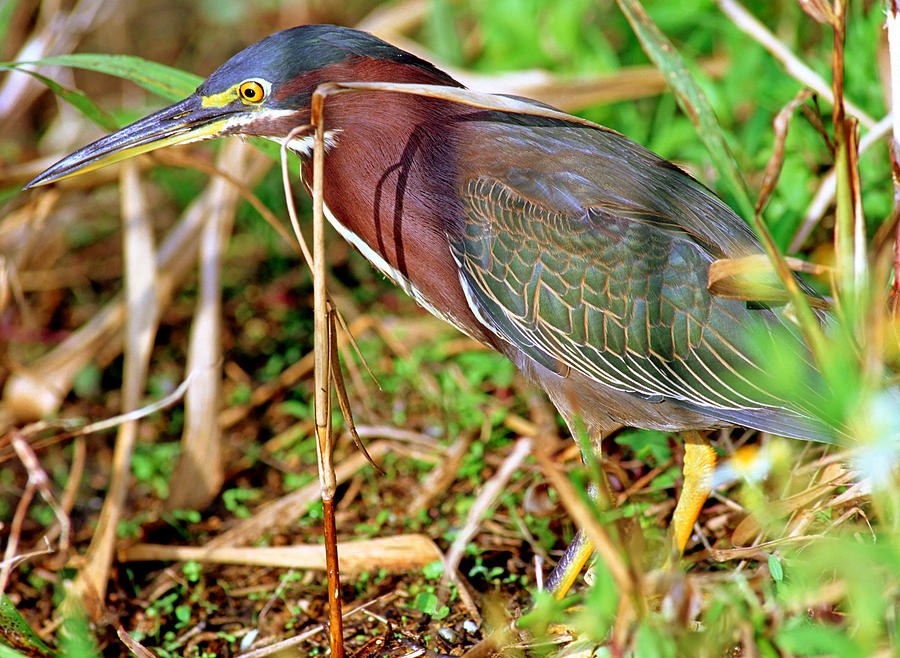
[(577, 253)]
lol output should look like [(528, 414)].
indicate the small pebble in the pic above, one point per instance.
[(470, 626), (448, 634), (249, 639)]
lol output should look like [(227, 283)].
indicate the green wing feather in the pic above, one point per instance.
[(599, 282)]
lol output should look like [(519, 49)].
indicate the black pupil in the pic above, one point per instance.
[(250, 92)]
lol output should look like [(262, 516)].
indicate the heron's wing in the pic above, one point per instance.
[(619, 293)]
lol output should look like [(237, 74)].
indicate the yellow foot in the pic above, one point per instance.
[(699, 465)]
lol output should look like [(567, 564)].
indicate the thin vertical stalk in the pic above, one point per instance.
[(843, 215), (323, 333), (850, 238), (843, 234)]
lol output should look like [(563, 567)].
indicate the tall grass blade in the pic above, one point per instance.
[(166, 81)]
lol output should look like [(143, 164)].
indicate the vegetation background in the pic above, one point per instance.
[(803, 562)]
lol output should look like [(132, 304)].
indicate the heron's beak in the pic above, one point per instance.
[(185, 121)]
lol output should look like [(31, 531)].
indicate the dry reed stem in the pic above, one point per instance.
[(322, 338), (324, 351), (36, 390), (396, 554), (892, 23), (751, 278), (849, 233), (79, 457), (141, 320), (200, 472)]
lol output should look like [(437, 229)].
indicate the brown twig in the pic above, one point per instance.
[(341, 390), (781, 123), (279, 648), (37, 482), (133, 645)]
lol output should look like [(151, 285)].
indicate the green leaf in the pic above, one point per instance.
[(433, 570), (427, 602), (234, 500), (192, 571), (170, 83), (776, 569), (648, 445), (183, 613), (653, 641), (15, 632), (6, 652), (295, 408), (76, 638)]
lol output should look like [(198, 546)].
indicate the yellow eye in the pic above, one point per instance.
[(252, 91)]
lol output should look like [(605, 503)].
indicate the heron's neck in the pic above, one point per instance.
[(390, 188)]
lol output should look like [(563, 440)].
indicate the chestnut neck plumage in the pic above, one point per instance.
[(391, 176)]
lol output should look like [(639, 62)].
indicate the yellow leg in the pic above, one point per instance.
[(570, 566), (578, 552), (699, 464)]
